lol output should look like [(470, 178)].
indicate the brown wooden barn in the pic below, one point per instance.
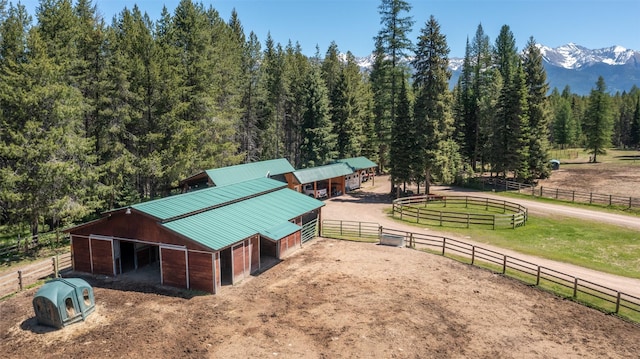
[(202, 239)]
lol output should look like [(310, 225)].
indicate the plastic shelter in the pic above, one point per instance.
[(63, 301)]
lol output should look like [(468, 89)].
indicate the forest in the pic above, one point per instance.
[(96, 114)]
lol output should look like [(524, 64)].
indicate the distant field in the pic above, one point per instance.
[(616, 173)]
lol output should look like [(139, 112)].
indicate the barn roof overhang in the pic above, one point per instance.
[(358, 163), (314, 174)]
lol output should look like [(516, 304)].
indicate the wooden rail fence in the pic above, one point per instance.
[(21, 279), (562, 194), (581, 290), (416, 208)]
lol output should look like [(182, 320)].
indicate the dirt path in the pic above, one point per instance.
[(370, 206)]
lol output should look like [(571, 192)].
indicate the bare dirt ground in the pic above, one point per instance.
[(330, 299)]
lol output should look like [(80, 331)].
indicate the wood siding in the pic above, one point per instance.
[(102, 256), (255, 254), (201, 271), (238, 254), (136, 226), (81, 258), (174, 267), (289, 244)]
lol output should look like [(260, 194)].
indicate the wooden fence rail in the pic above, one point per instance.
[(416, 208), (19, 280), (562, 194), (602, 297)]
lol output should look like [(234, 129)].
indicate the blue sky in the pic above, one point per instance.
[(352, 24)]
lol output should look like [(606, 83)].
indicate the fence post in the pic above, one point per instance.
[(590, 197), (630, 202), (340, 228), (360, 229), (533, 191), (513, 221), (56, 273), (418, 215), (617, 303), (610, 197), (557, 193), (20, 284), (538, 277), (504, 264), (575, 287), (468, 219), (473, 254), (541, 191), (573, 196), (444, 244)]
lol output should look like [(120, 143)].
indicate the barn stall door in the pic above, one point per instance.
[(174, 269)]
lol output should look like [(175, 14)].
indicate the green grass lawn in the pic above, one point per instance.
[(597, 246)]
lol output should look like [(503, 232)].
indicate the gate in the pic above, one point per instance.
[(309, 230)]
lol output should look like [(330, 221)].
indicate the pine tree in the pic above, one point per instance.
[(511, 126), (318, 141), (598, 119), (48, 172), (402, 142), (393, 42), (251, 97), (379, 80), (432, 109), (538, 111), (635, 125), (271, 141), (296, 70)]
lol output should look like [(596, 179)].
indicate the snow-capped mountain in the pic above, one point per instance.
[(572, 56), (574, 66)]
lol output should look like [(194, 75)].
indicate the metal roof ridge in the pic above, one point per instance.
[(220, 205)]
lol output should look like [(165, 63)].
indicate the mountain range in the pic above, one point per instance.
[(574, 66)]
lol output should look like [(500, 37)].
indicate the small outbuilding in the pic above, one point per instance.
[(63, 301)]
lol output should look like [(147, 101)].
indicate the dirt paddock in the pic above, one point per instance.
[(331, 299)]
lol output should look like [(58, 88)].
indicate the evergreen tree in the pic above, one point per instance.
[(296, 70), (271, 141), (511, 126), (48, 172), (402, 142), (318, 141), (635, 125), (251, 97), (432, 108), (538, 111), (598, 119), (379, 80), (393, 42), (563, 126)]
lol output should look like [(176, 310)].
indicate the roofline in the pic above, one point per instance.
[(206, 209)]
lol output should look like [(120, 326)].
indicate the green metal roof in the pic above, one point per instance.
[(239, 173), (309, 175), (223, 226), (358, 163), (281, 230), (191, 202)]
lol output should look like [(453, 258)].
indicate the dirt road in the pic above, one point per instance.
[(371, 203)]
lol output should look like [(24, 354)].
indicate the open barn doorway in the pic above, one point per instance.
[(137, 261)]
